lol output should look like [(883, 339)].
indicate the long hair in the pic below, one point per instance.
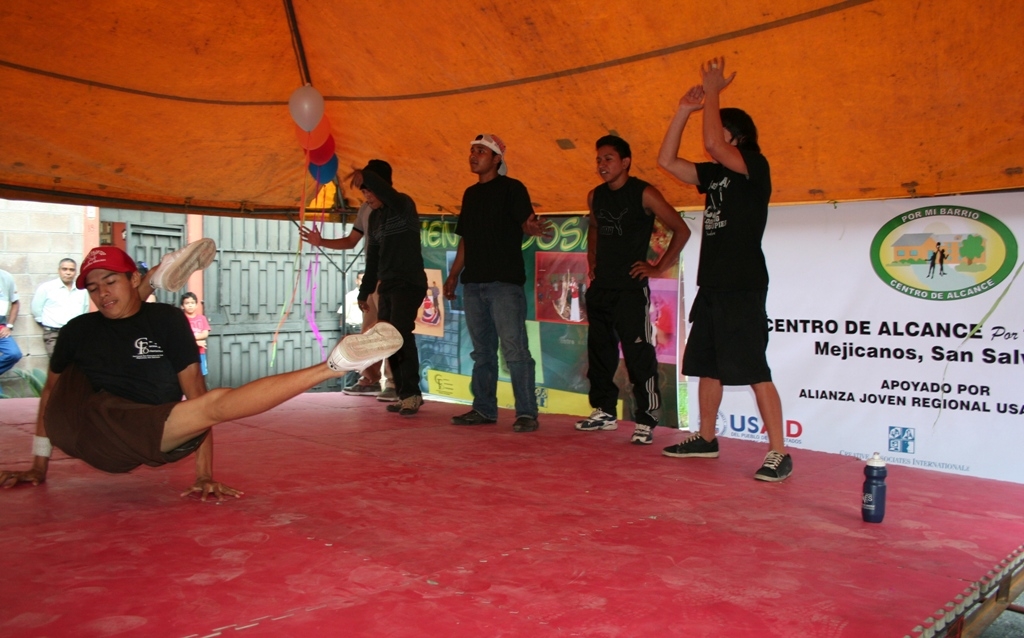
[(741, 125)]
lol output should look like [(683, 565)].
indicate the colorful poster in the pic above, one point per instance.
[(561, 285), (430, 316), (895, 327)]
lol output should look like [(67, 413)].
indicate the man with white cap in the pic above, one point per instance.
[(495, 213), (113, 392)]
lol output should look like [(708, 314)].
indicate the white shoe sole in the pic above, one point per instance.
[(356, 352), (175, 268)]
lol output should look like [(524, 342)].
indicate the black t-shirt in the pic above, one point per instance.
[(735, 214), (491, 226), (137, 358), (623, 234)]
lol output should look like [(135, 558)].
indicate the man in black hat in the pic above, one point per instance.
[(369, 382)]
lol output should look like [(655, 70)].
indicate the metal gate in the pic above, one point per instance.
[(149, 242), (252, 285)]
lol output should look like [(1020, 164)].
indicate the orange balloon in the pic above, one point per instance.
[(315, 138)]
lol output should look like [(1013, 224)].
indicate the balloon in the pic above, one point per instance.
[(307, 107), (324, 153), (325, 173), (316, 137)]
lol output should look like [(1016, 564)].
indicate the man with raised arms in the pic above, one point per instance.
[(729, 336)]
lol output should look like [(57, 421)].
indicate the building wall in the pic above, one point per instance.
[(34, 237)]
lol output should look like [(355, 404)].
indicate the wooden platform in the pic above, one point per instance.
[(359, 523)]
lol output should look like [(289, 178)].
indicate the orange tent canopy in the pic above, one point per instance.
[(145, 104)]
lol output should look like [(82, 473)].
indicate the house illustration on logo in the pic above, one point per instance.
[(915, 248)]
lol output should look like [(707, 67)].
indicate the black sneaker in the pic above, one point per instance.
[(472, 418), (525, 424), (642, 434), (693, 446), (776, 467)]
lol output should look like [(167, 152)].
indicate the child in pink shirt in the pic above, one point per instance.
[(200, 326)]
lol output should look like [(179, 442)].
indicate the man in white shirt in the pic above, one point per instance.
[(353, 314), (57, 302)]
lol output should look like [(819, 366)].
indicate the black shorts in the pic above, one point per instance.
[(728, 337), (107, 432)]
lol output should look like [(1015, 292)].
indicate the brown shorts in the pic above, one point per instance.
[(107, 432)]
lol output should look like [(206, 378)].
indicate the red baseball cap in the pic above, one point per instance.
[(108, 258)]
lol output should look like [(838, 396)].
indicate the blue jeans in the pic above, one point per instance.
[(10, 353), (498, 310)]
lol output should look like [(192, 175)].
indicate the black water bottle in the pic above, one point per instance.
[(873, 502)]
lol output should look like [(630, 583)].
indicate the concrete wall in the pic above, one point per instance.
[(34, 238)]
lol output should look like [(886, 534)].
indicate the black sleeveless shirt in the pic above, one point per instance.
[(623, 234)]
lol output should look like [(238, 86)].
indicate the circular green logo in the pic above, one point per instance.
[(943, 253)]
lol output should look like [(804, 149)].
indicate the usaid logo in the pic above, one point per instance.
[(721, 424), (902, 440), (750, 426)]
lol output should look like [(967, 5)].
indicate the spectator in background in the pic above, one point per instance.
[(353, 313), (200, 326), (57, 302), (10, 353)]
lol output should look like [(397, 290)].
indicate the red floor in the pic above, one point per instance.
[(358, 523)]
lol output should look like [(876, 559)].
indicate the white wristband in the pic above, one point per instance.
[(41, 446)]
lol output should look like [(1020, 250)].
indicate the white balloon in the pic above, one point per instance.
[(307, 107)]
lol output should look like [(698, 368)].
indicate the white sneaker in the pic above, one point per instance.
[(356, 352), (598, 420), (175, 268)]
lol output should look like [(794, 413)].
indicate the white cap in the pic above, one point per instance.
[(494, 143), (876, 460)]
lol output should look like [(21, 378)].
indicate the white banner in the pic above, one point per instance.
[(870, 307)]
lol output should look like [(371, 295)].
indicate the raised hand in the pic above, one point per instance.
[(693, 100), (356, 180), (712, 74), (311, 236)]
